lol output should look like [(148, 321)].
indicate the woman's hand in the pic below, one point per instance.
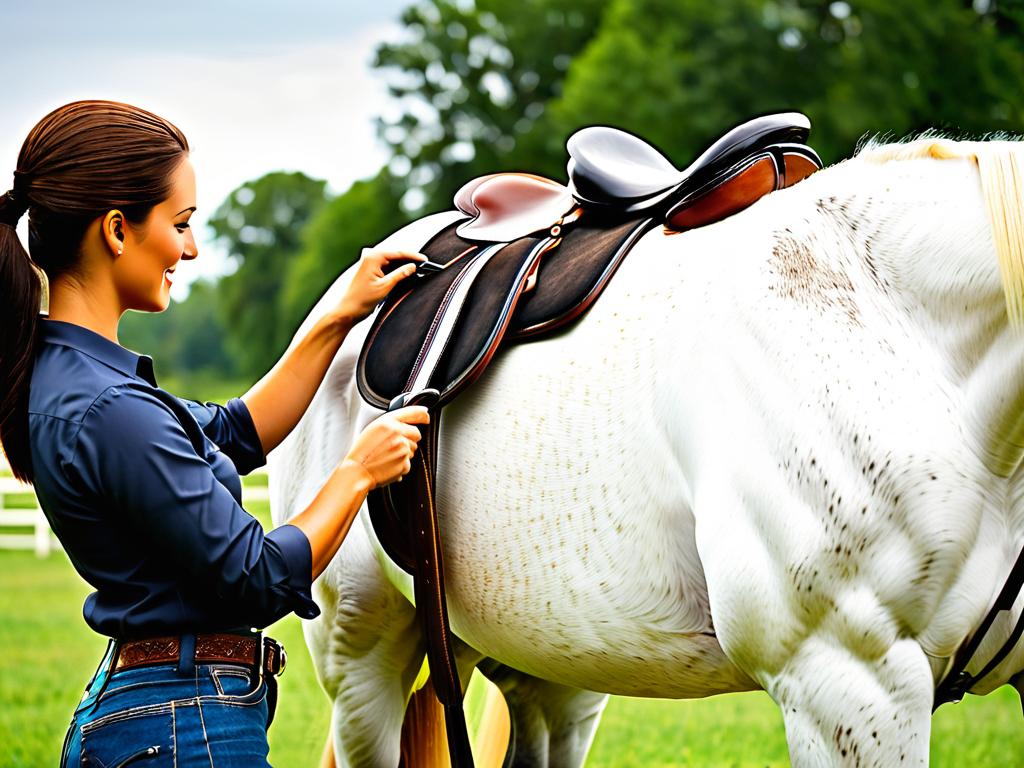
[(370, 284), (386, 447)]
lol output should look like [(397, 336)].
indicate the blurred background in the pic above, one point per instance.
[(319, 127)]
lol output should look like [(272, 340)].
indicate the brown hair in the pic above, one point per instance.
[(80, 161)]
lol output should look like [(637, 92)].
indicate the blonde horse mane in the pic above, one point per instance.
[(1001, 168)]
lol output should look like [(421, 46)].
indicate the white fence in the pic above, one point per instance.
[(24, 512)]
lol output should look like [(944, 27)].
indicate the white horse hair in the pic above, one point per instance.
[(781, 452)]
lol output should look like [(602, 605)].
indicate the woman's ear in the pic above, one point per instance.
[(112, 230)]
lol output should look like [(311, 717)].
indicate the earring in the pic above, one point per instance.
[(120, 249)]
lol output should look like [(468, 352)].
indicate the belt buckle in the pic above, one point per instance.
[(274, 658)]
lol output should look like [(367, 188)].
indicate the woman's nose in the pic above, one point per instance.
[(191, 250)]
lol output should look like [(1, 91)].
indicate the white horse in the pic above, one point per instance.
[(781, 452)]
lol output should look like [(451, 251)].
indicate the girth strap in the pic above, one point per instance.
[(431, 604), (958, 680), (418, 494)]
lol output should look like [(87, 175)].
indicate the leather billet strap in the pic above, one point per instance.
[(958, 680), (405, 518), (431, 604)]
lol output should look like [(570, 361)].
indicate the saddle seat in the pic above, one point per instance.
[(609, 167)]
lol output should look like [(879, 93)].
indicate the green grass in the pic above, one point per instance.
[(20, 500), (48, 654)]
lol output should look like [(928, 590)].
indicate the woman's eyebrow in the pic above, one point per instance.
[(191, 208)]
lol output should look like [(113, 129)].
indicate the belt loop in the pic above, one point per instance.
[(187, 657)]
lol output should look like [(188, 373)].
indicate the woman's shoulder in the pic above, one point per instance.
[(70, 387)]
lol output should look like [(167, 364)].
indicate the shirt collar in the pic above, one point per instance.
[(98, 347)]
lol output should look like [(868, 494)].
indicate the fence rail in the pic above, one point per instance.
[(20, 513)]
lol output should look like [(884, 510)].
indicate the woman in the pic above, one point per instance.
[(141, 488)]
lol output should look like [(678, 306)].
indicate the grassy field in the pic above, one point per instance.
[(48, 653)]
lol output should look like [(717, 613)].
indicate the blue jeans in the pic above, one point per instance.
[(184, 715)]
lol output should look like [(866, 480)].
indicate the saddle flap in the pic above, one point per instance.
[(425, 330), (507, 206)]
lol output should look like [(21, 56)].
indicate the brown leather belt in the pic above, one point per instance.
[(210, 648)]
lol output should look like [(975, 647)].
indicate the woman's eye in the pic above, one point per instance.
[(182, 227)]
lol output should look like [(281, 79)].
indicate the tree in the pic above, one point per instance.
[(186, 340), (473, 82), (261, 222), (333, 240), (680, 72)]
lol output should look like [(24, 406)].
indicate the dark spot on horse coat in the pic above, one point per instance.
[(807, 279)]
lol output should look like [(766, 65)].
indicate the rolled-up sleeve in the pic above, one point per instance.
[(231, 427), (132, 452)]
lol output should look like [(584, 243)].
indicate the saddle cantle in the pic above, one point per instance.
[(531, 256)]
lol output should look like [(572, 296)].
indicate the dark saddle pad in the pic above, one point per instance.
[(531, 286)]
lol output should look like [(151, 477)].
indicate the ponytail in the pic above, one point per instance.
[(19, 312), (80, 161)]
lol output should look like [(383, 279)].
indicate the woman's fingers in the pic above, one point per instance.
[(382, 257), (398, 275), (412, 414)]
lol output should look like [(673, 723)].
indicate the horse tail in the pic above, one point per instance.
[(425, 745)]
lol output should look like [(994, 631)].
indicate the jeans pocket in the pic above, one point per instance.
[(232, 680), (140, 736), (235, 686)]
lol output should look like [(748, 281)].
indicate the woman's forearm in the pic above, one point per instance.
[(277, 401), (329, 516)]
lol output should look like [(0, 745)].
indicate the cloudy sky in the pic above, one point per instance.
[(255, 85)]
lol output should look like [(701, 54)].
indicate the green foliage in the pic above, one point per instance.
[(188, 336), (474, 80), (332, 241), (679, 72), (261, 224)]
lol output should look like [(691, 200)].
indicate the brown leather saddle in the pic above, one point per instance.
[(530, 257)]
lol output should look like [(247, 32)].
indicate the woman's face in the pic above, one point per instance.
[(146, 268)]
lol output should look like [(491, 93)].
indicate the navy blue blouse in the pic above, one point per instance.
[(142, 490)]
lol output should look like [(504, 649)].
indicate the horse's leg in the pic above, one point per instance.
[(367, 653), (842, 709), (552, 725), (815, 635)]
